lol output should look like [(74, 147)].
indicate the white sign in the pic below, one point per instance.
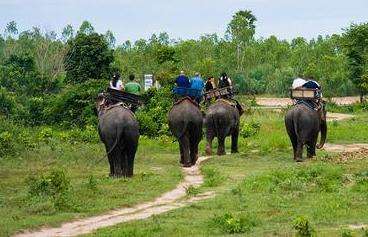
[(148, 81)]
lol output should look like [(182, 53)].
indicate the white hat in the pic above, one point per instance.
[(298, 82)]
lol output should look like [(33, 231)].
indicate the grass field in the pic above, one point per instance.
[(260, 190)]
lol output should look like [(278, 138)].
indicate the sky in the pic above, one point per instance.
[(189, 19)]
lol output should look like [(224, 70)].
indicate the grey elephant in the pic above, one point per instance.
[(119, 131), (222, 119), (303, 125), (185, 123)]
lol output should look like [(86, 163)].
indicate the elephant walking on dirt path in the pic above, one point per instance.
[(222, 120), (119, 131), (303, 125), (185, 123)]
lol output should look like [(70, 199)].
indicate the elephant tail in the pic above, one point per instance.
[(116, 142), (323, 130)]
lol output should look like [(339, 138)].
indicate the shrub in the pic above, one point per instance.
[(212, 177), (192, 191), (346, 233), (303, 227), (7, 102), (231, 224), (54, 186), (249, 129), (152, 117), (74, 106)]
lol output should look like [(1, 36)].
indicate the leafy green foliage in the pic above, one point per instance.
[(249, 129), (152, 117), (88, 57), (75, 105), (303, 227), (355, 45), (232, 224)]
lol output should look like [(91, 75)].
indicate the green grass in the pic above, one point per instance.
[(261, 191), (92, 191)]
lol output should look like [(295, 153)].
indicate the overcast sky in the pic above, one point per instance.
[(134, 19)]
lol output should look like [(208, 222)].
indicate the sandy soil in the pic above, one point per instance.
[(168, 201), (338, 148), (283, 102)]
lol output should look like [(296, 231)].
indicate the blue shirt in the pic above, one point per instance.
[(182, 81), (197, 83)]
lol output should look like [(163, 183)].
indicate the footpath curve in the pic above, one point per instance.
[(168, 201)]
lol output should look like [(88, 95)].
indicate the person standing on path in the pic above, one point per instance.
[(132, 86)]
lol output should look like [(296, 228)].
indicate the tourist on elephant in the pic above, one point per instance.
[(197, 84), (116, 83), (224, 81), (132, 86), (182, 80), (209, 84)]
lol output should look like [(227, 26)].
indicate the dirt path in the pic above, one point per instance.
[(168, 201), (283, 102), (339, 148)]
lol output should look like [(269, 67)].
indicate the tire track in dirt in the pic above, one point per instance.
[(168, 201)]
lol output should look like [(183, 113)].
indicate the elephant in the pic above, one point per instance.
[(185, 122), (222, 119), (119, 131), (303, 125)]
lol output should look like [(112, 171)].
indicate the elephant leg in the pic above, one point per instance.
[(184, 151), (221, 146), (194, 152), (117, 169), (299, 151), (209, 145), (234, 140), (111, 163), (130, 154), (311, 147)]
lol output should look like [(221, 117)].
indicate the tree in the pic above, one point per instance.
[(356, 48), (11, 29), (88, 57), (68, 33), (86, 28), (241, 30), (110, 38)]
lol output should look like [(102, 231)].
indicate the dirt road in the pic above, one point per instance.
[(283, 102), (168, 201)]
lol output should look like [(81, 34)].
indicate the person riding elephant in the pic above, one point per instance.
[(119, 131), (222, 119), (306, 120), (185, 123), (196, 84)]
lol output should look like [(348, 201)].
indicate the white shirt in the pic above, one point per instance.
[(119, 85)]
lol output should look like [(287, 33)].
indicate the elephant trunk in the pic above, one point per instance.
[(323, 129)]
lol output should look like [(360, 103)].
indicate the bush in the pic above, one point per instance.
[(303, 227), (249, 129), (54, 186), (231, 224), (7, 102), (75, 105), (152, 117)]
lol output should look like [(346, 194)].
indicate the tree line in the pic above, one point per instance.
[(46, 78)]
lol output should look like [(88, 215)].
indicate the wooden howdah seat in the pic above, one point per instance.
[(117, 96), (305, 94), (219, 93)]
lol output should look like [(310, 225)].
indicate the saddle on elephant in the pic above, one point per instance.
[(309, 94), (187, 98), (234, 103), (114, 97)]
